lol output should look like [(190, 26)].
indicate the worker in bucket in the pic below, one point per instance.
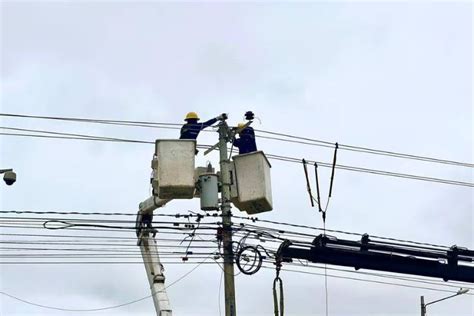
[(192, 127), (246, 141)]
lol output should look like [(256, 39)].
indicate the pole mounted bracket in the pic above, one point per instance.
[(159, 278), (320, 241), (364, 242), (453, 256), (281, 250)]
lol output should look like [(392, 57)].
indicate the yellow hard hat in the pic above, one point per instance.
[(240, 125), (191, 115)]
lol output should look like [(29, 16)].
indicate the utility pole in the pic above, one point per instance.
[(423, 307), (229, 286)]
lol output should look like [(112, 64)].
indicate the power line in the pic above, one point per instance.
[(453, 284), (78, 221), (105, 230), (256, 219), (176, 215), (112, 255), (102, 308), (164, 230), (72, 213), (175, 262), (116, 238), (367, 150), (78, 136), (270, 156), (366, 280), (238, 228), (168, 255), (263, 266), (249, 223), (89, 120), (198, 257), (291, 138), (79, 243), (69, 136), (373, 171), (360, 170), (118, 254), (69, 236)]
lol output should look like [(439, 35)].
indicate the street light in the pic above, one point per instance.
[(9, 176), (423, 305)]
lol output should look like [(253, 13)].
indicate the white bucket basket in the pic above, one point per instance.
[(174, 176), (251, 188)]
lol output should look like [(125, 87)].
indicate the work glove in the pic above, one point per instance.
[(222, 117)]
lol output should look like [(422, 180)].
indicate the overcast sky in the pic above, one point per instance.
[(393, 76)]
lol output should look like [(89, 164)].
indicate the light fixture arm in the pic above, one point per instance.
[(460, 292)]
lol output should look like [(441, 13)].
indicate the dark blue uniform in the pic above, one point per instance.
[(191, 129), (246, 142)]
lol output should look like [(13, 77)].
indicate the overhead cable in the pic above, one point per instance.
[(69, 136), (288, 137), (101, 308)]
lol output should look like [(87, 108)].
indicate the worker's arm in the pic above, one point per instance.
[(223, 116), (237, 142), (208, 123)]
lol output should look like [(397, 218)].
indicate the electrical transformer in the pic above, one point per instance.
[(208, 186)]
